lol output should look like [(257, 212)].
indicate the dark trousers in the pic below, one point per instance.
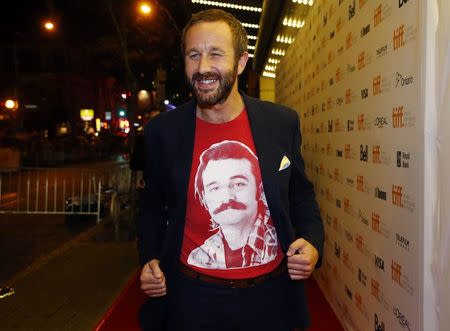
[(199, 306)]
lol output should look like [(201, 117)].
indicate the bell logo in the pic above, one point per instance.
[(361, 122), (377, 85), (376, 153), (397, 195), (376, 222), (348, 40), (360, 183), (396, 272), (399, 37), (375, 289), (397, 117), (361, 60), (377, 16)]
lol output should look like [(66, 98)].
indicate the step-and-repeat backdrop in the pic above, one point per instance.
[(353, 76)]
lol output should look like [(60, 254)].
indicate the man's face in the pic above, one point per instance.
[(230, 192), (210, 64)]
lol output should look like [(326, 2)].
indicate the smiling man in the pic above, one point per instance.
[(229, 225)]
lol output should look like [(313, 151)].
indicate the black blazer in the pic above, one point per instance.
[(169, 144)]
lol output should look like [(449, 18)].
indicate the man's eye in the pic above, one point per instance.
[(193, 56), (214, 188), (239, 184), (216, 54)]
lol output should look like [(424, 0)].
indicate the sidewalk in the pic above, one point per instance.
[(73, 287)]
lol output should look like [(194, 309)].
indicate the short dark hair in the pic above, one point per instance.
[(238, 32), (227, 149)]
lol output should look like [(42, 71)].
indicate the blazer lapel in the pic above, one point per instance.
[(267, 154)]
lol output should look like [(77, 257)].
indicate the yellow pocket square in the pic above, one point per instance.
[(284, 163)]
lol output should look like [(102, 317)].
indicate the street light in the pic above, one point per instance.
[(49, 25), (144, 8), (11, 104)]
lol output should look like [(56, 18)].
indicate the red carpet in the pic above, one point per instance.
[(123, 313)]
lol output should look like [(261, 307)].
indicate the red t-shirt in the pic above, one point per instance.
[(229, 232)]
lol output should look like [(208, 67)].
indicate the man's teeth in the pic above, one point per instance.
[(209, 81)]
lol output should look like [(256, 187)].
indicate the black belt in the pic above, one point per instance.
[(233, 283)]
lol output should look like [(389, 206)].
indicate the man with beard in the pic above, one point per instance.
[(232, 161)]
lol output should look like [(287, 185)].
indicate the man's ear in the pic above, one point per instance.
[(242, 62)]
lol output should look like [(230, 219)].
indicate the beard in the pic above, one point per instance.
[(209, 98)]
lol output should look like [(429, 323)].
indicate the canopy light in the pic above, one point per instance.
[(273, 61), (227, 5), (278, 51), (250, 37), (304, 2), (269, 74), (250, 25), (284, 39), (250, 55), (293, 22), (251, 47), (270, 68)]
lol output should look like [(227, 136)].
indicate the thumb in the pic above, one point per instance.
[(296, 246), (155, 269)]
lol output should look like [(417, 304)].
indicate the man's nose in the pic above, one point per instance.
[(204, 65), (228, 195)]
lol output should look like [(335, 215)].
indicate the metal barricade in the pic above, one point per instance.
[(61, 190)]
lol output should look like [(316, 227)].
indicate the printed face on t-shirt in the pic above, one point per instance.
[(230, 192)]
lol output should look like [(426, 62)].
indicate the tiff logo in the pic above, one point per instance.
[(347, 153), (363, 153), (362, 3), (358, 301), (396, 272), (377, 15), (338, 75), (361, 60), (360, 183), (348, 40), (359, 242), (376, 153), (339, 24), (348, 96), (361, 122), (397, 117), (346, 204), (399, 37), (377, 85), (397, 195), (375, 289), (376, 222)]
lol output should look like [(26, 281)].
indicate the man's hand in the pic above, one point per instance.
[(153, 281), (302, 258)]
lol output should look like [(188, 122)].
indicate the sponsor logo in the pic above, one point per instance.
[(337, 125), (403, 80), (332, 33), (338, 203), (330, 126), (330, 103), (324, 20), (398, 38), (375, 289), (339, 153), (348, 236), (398, 276), (361, 62), (362, 3), (403, 159), (347, 151), (350, 68), (362, 217), (360, 245), (380, 194), (360, 183), (339, 75), (379, 262), (362, 277), (376, 222), (402, 241), (402, 320), (351, 9), (360, 305), (348, 206), (331, 57), (380, 122), (379, 324), (382, 51), (401, 3), (339, 24), (337, 250), (348, 292), (347, 261), (365, 30), (350, 125), (349, 181), (328, 219), (397, 195), (364, 93), (339, 101), (331, 81), (363, 153)]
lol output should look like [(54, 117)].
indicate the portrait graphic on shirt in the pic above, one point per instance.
[(228, 185)]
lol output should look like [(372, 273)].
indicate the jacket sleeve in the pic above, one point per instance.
[(304, 210), (152, 220)]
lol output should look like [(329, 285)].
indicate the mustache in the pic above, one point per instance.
[(230, 205), (206, 76)]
